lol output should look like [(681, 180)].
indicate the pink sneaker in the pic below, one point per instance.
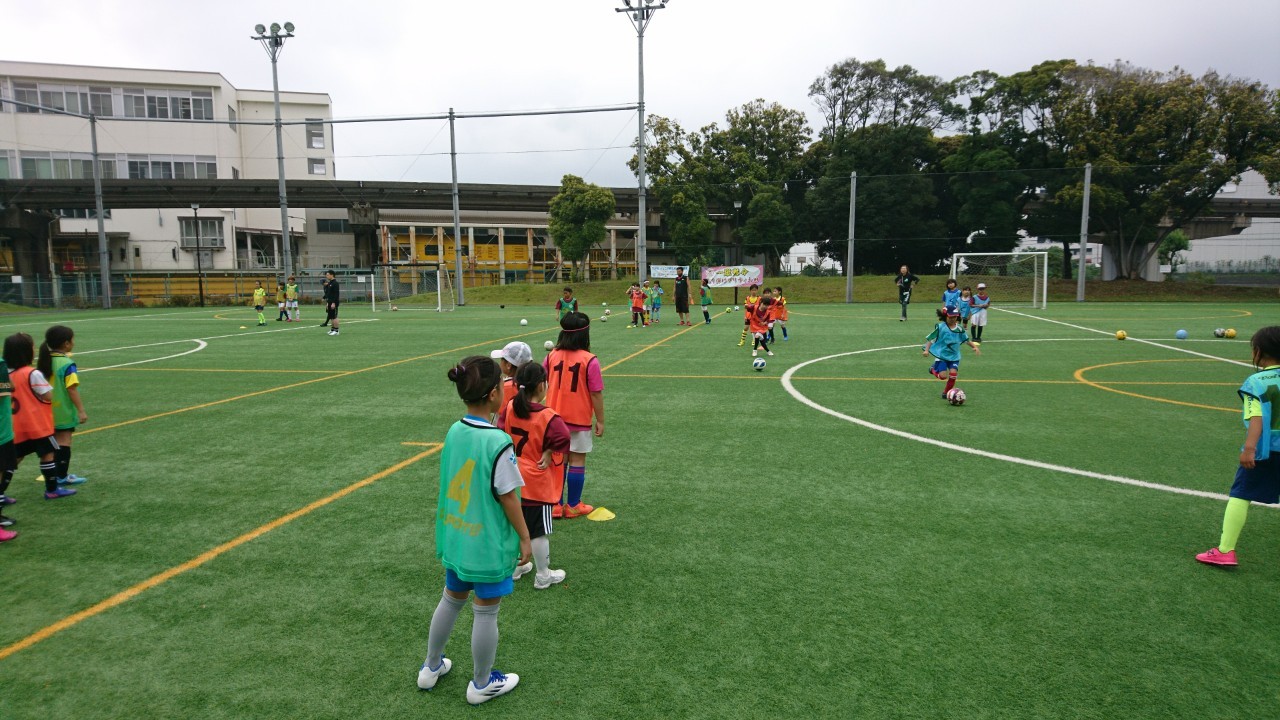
[(1213, 557), (7, 535)]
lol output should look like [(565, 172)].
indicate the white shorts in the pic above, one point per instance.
[(979, 318), (580, 441), (280, 305), (291, 303)]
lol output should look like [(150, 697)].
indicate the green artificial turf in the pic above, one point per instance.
[(767, 560)]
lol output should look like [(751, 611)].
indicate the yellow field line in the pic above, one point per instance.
[(894, 379), (647, 348), (125, 595), (1079, 375), (335, 376)]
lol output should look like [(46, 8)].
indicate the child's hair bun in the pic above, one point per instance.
[(458, 373)]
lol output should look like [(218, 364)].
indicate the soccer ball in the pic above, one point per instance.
[(1181, 334), (955, 396), (1219, 332), (523, 322), (1231, 332), (604, 304), (735, 307), (604, 318), (1120, 334), (549, 345), (758, 364), (608, 312), (728, 310), (394, 308)]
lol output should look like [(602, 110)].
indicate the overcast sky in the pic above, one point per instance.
[(702, 57)]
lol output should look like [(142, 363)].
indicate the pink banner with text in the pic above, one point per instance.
[(733, 275)]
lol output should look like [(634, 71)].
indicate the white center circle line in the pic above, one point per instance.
[(791, 389)]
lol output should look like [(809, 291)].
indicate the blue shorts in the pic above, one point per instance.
[(1261, 484), (945, 365), (484, 591)]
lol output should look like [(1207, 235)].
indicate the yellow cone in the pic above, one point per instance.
[(601, 514)]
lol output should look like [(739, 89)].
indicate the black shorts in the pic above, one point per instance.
[(331, 312), (538, 519), (8, 458), (1259, 484), (258, 307), (39, 446), (682, 306)]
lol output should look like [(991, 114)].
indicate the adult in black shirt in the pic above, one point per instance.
[(332, 298), (682, 297), (905, 281)]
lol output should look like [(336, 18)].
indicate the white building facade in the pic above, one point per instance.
[(140, 136)]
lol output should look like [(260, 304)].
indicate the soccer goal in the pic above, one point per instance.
[(1013, 279), (412, 286)]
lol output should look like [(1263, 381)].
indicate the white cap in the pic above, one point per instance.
[(981, 285), (516, 353)]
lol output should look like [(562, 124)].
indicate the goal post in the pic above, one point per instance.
[(412, 286), (1013, 279)]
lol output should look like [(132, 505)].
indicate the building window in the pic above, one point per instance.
[(316, 166), (5, 172), (315, 135), (210, 233), (201, 105), (231, 115), (335, 226), (172, 167), (27, 93), (158, 107), (137, 251), (100, 101), (82, 213), (62, 166), (135, 102), (235, 173)]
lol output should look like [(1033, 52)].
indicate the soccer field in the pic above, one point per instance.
[(825, 538)]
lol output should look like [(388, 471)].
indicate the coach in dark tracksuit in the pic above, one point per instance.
[(332, 298)]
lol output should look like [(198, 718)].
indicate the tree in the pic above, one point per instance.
[(897, 205), (758, 152), (854, 95), (577, 217), (1162, 145), (1171, 249)]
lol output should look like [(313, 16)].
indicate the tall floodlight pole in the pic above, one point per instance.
[(640, 13), (195, 208), (104, 251), (1084, 231), (273, 43), (853, 210), (457, 221)]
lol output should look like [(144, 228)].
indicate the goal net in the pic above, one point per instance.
[(412, 286), (1013, 279)]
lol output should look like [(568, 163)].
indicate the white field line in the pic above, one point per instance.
[(1147, 342), (213, 337), (791, 389), (200, 345)]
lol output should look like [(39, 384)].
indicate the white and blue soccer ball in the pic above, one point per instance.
[(735, 307), (1181, 334), (1220, 332), (758, 364)]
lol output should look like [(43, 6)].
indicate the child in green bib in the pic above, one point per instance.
[(480, 531)]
